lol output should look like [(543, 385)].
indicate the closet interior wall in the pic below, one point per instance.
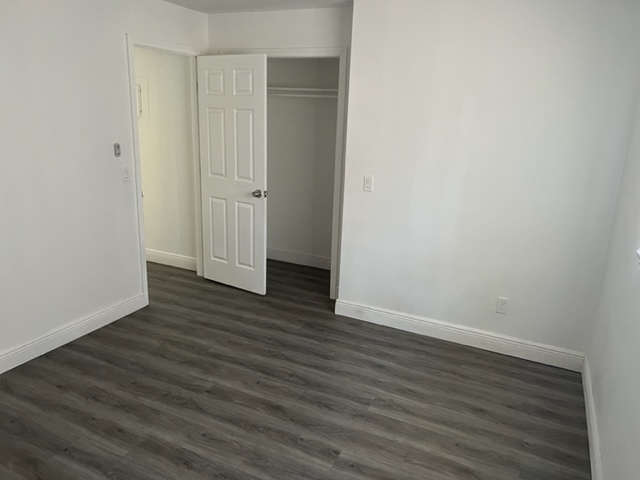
[(301, 126)]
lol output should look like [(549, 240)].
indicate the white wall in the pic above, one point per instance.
[(313, 28), (68, 228), (167, 157), (301, 159), (614, 356), (496, 132)]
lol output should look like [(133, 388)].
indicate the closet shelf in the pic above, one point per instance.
[(303, 92)]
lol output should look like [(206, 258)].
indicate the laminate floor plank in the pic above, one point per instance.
[(211, 382)]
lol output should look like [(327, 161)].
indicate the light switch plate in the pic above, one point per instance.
[(368, 183), (638, 254)]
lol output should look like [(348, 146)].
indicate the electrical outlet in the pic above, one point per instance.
[(501, 306)]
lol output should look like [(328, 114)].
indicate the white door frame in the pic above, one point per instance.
[(342, 54), (135, 41)]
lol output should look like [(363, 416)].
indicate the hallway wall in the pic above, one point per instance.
[(167, 156)]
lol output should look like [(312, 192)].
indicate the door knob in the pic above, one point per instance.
[(257, 193)]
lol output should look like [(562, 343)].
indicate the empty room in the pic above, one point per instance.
[(319, 239)]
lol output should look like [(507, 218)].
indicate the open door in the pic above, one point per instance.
[(232, 102)]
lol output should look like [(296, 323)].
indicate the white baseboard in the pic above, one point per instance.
[(171, 259), (592, 423), (515, 347), (299, 259), (71, 331)]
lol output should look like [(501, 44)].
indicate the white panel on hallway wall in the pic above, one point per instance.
[(166, 150)]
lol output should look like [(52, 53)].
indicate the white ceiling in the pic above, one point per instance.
[(229, 6)]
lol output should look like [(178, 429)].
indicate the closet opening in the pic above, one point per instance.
[(302, 126)]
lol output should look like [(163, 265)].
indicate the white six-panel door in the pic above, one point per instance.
[(232, 101)]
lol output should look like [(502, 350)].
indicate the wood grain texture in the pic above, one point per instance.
[(210, 382)]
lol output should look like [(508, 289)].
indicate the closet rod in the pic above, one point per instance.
[(300, 95), (303, 92)]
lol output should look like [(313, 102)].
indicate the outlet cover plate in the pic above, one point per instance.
[(501, 305)]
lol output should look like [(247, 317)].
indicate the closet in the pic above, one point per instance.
[(301, 138)]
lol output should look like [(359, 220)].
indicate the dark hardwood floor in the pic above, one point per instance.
[(210, 382)]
